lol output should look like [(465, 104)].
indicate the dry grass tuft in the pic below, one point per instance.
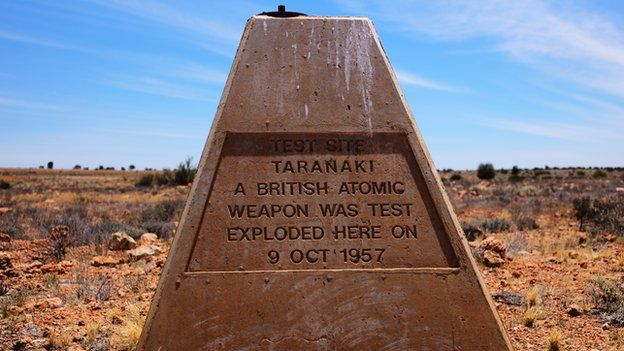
[(59, 340), (127, 335), (532, 297), (529, 318), (555, 341)]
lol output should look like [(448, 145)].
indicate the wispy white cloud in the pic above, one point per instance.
[(173, 17), (16, 102), (567, 42), (565, 131), (420, 82), (21, 38), (155, 133), (156, 86)]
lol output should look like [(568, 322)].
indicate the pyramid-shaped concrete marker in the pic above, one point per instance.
[(317, 220)]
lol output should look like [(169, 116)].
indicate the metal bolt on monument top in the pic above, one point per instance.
[(317, 220)]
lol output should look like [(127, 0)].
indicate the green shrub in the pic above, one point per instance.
[(145, 180), (185, 173), (599, 174), (486, 171), (4, 185), (456, 177)]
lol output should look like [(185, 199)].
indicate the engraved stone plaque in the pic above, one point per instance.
[(317, 220)]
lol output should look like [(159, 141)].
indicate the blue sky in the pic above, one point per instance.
[(113, 83)]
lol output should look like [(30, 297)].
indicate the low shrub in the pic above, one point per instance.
[(456, 177), (184, 174), (599, 174), (145, 180), (486, 171), (4, 185), (526, 223), (603, 214), (59, 242), (478, 228), (608, 298)]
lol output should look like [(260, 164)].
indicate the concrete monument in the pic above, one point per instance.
[(317, 220)]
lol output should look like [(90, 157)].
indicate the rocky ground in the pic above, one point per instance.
[(70, 279)]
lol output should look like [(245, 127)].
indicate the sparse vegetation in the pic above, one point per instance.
[(182, 175), (4, 185), (604, 214), (544, 272)]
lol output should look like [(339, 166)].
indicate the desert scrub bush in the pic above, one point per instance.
[(76, 218), (515, 175), (59, 242), (608, 298), (486, 171), (160, 218), (145, 180), (4, 185), (486, 225), (455, 177), (604, 214), (526, 223), (599, 174), (184, 174), (10, 223), (88, 287)]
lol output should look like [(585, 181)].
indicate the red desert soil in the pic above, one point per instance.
[(545, 275)]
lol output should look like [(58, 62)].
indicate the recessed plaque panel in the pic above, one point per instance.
[(319, 201)]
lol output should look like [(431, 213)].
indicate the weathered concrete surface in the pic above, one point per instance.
[(312, 119)]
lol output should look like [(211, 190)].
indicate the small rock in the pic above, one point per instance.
[(6, 266), (148, 239), (121, 241), (103, 261), (58, 268), (574, 310), (606, 326), (492, 259), (509, 298), (492, 252), (492, 244), (5, 209), (53, 302), (583, 238), (143, 252), (5, 261)]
